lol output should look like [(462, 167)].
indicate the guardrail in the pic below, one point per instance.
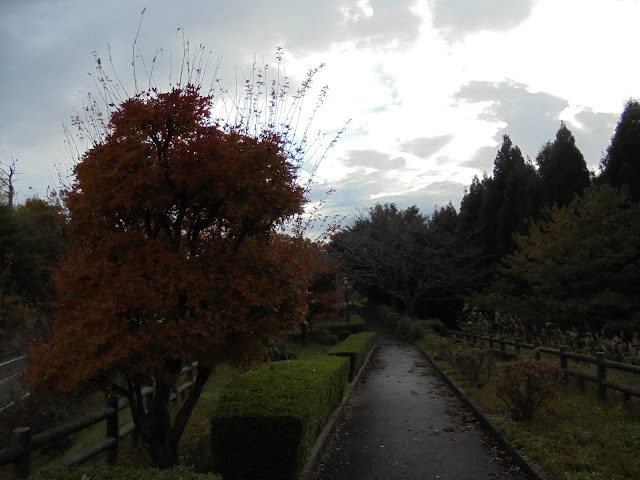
[(564, 354), (23, 442)]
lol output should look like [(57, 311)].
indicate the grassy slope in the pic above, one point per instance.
[(194, 448), (576, 436)]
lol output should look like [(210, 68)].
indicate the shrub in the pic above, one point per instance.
[(434, 324), (322, 336), (356, 347), (268, 419), (407, 326), (525, 385), (445, 352), (476, 364), (119, 473), (340, 329)]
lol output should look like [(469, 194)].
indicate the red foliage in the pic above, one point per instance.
[(525, 385), (175, 256)]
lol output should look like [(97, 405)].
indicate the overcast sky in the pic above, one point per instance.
[(430, 86)]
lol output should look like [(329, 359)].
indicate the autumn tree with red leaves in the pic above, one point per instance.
[(176, 258)]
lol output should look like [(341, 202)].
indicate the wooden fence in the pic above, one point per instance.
[(564, 355), (23, 442)]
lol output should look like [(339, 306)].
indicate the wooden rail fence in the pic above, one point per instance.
[(23, 442), (564, 354)]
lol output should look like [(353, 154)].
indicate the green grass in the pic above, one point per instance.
[(576, 436), (303, 352)]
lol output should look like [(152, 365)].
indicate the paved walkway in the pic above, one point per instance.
[(404, 423)]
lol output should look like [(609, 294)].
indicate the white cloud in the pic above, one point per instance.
[(431, 86)]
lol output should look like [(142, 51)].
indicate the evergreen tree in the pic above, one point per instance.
[(513, 197), (471, 205), (577, 267), (496, 207), (621, 165), (562, 169)]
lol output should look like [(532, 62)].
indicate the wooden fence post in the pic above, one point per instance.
[(193, 374), (502, 345), (22, 437), (113, 429), (517, 346), (536, 347), (564, 364), (148, 400), (174, 389), (602, 375)]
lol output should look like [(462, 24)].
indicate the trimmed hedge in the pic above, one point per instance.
[(268, 420), (356, 347), (119, 473), (340, 328)]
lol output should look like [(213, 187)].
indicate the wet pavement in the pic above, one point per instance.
[(405, 423)]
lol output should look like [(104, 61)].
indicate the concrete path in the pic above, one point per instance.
[(404, 423)]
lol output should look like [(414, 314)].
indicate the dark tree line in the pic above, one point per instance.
[(33, 236), (400, 255), (544, 240)]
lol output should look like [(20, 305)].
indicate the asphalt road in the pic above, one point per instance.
[(10, 374), (405, 423)]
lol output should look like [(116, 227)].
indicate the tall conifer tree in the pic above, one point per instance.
[(621, 165), (562, 169)]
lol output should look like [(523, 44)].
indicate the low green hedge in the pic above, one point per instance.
[(120, 473), (356, 347), (268, 420), (340, 328)]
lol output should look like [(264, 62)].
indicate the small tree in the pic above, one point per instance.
[(7, 181), (175, 258)]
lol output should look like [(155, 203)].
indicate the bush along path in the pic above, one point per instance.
[(405, 423)]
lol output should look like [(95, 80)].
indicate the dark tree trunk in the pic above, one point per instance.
[(156, 431), (159, 437), (305, 336)]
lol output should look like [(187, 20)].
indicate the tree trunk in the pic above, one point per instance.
[(159, 437), (305, 336), (156, 429)]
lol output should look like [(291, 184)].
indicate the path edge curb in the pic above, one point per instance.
[(532, 470), (329, 429)]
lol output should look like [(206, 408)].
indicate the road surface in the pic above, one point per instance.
[(11, 369)]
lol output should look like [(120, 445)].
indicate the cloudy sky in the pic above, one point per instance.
[(430, 86)]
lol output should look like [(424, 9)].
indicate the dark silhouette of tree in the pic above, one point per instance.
[(420, 263), (33, 236), (515, 195), (621, 164), (497, 207), (379, 248), (7, 182), (562, 170)]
